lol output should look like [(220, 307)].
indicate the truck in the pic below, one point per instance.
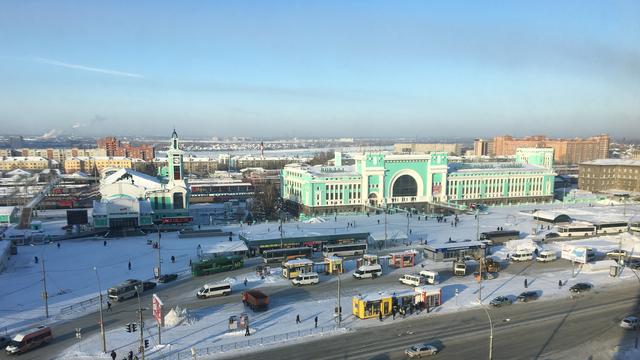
[(216, 265), (490, 265), (256, 300), (459, 268)]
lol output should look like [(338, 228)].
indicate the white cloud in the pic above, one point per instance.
[(85, 68)]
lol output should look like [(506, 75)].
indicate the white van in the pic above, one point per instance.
[(522, 255), (309, 278), (210, 290), (368, 271), (430, 277), (413, 280), (546, 256)]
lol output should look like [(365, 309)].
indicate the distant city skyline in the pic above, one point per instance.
[(320, 69)]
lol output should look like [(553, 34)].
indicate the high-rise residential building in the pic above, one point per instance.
[(115, 147), (566, 151), (483, 147)]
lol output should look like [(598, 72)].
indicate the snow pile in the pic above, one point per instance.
[(177, 316), (523, 244), (315, 220)]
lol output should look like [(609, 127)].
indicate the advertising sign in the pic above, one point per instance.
[(574, 253), (157, 309)]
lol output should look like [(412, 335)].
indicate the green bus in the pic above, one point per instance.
[(216, 265)]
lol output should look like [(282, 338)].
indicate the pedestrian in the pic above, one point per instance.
[(316, 320), (230, 238), (35, 259), (104, 243), (130, 356), (380, 315), (393, 312), (378, 221), (559, 284), (173, 259), (451, 224), (113, 355), (58, 244), (245, 282), (198, 227), (525, 283), (190, 263), (108, 305), (129, 265), (298, 319), (247, 332)]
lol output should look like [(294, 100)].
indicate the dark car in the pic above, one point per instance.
[(500, 301), (167, 278), (551, 235), (528, 295), (148, 285), (4, 341), (580, 287)]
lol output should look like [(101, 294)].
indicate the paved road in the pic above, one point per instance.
[(182, 293), (540, 329)]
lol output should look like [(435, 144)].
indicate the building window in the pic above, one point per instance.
[(178, 201)]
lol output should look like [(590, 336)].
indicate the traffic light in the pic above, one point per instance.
[(128, 327), (146, 343), (133, 327)]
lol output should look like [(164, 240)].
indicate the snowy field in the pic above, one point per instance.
[(71, 278)]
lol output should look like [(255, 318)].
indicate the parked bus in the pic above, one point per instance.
[(29, 340), (611, 227), (282, 255), (345, 250), (125, 290), (634, 226), (216, 265), (500, 236), (576, 229)]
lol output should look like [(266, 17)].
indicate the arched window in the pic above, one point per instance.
[(178, 201), (405, 185)]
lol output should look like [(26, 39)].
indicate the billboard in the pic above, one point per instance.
[(156, 308), (77, 217), (574, 253)]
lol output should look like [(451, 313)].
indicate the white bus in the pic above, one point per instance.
[(634, 226), (576, 229), (345, 249), (125, 290), (611, 227)]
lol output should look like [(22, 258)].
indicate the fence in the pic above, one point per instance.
[(250, 342), (82, 305)]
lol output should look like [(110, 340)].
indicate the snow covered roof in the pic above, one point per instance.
[(455, 245), (141, 179), (613, 162), (395, 235), (18, 172), (493, 167), (7, 210), (221, 246), (298, 262), (551, 216), (427, 289)]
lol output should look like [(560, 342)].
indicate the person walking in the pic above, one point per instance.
[(393, 312), (113, 355), (247, 332), (108, 305), (130, 356), (316, 321), (104, 243), (129, 265), (58, 244), (173, 259), (559, 284), (380, 315), (245, 282), (525, 283), (298, 319)]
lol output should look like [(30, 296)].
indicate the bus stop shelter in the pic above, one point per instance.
[(403, 259)]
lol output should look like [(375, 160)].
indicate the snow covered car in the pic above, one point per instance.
[(167, 278), (630, 322), (580, 287), (500, 301), (420, 350), (528, 295)]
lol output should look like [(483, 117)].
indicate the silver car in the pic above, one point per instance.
[(421, 350), (630, 322)]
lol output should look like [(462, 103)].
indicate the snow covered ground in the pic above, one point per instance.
[(71, 278)]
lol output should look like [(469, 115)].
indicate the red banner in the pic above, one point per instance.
[(157, 309)]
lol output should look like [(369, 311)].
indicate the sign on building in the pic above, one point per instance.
[(157, 309), (574, 253)]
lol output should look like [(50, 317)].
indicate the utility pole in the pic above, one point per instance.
[(385, 222), (490, 333), (281, 234), (480, 281), (138, 290), (104, 340), (45, 295), (339, 305), (478, 223), (159, 257)]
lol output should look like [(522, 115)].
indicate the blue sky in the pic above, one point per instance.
[(322, 68)]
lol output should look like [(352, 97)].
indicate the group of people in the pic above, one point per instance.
[(130, 356)]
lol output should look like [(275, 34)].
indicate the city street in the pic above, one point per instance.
[(542, 329)]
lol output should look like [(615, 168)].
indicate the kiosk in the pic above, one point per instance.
[(293, 268)]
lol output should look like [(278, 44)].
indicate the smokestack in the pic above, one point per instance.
[(262, 149)]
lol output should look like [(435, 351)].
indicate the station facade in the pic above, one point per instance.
[(383, 179)]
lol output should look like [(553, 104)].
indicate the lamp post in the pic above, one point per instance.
[(104, 340), (490, 333), (138, 291)]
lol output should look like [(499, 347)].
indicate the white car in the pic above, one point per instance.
[(421, 350), (630, 322)]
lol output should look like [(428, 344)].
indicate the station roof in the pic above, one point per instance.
[(455, 245), (551, 216), (300, 238)]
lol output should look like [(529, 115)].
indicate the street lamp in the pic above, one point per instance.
[(490, 333), (139, 289), (104, 340)]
